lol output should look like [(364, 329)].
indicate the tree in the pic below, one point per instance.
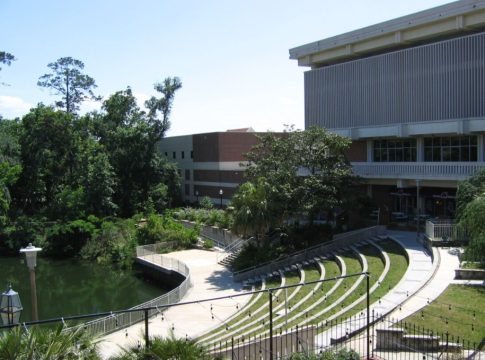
[(308, 170), (48, 150), (162, 105), (253, 213), (130, 137), (6, 58), (68, 81), (471, 214)]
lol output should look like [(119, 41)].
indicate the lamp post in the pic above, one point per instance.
[(197, 196), (10, 307), (31, 257), (220, 194)]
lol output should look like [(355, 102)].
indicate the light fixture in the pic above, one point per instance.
[(10, 307)]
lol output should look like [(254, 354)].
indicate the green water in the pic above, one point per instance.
[(68, 287)]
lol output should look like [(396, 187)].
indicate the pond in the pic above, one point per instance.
[(70, 287)]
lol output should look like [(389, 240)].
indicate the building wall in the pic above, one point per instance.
[(212, 162), (438, 81)]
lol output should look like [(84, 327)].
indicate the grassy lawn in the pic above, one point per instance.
[(467, 305)]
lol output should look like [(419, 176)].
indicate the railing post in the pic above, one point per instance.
[(270, 325), (147, 341), (368, 314)]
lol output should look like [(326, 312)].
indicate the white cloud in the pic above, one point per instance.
[(13, 106)]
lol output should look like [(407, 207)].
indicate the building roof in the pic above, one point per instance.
[(436, 23), (249, 129)]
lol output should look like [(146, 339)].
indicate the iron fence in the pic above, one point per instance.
[(147, 255)]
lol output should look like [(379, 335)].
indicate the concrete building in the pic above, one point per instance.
[(210, 162), (410, 93)]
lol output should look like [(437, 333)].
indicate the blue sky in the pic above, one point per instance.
[(232, 56)]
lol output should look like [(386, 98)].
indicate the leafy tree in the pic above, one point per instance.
[(471, 214), (47, 154), (128, 136), (8, 175), (468, 190), (9, 141), (307, 171), (162, 106), (6, 58), (68, 81)]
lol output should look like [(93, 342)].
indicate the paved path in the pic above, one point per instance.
[(210, 280), (442, 275)]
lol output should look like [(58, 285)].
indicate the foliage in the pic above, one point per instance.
[(165, 348), (6, 58), (254, 211), (294, 173), (43, 344), (471, 214), (114, 241), (68, 81), (255, 255), (165, 229), (206, 203), (468, 190), (145, 180), (162, 105), (8, 175), (208, 244), (211, 217)]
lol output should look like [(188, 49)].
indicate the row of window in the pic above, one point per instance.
[(437, 149), (182, 154)]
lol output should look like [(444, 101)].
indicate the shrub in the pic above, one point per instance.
[(208, 244), (206, 203)]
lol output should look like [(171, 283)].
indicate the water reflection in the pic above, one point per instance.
[(69, 287)]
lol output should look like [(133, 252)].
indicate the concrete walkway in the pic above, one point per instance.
[(424, 280), (210, 280), (429, 285)]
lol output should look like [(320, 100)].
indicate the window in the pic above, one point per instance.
[(395, 150), (166, 154), (450, 148), (187, 189), (174, 155), (187, 174), (183, 154), (192, 154)]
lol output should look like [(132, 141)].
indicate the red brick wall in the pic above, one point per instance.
[(357, 151)]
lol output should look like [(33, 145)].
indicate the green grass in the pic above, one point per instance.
[(467, 307), (473, 265)]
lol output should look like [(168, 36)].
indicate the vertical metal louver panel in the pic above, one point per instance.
[(444, 80)]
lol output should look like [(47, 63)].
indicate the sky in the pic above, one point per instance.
[(231, 56)]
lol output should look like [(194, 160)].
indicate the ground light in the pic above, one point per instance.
[(31, 257), (10, 307)]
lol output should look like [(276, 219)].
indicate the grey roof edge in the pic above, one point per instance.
[(410, 21)]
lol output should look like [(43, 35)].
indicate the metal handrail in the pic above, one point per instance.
[(118, 321), (340, 240)]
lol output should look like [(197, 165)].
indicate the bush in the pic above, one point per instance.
[(208, 244), (113, 242), (206, 203), (164, 229)]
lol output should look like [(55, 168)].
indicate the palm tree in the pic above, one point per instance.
[(165, 348), (252, 209), (43, 344)]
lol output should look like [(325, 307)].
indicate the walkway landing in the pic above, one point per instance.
[(210, 280)]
